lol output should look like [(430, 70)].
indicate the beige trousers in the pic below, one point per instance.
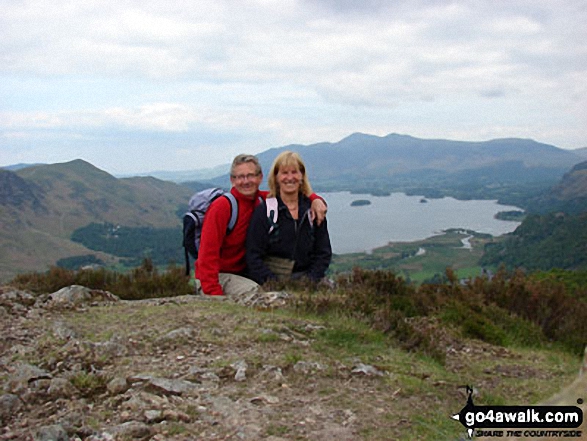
[(234, 285)]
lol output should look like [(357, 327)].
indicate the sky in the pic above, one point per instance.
[(136, 86)]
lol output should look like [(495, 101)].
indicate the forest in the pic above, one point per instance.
[(161, 245), (542, 242)]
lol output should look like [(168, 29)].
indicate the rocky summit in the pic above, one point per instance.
[(81, 364), (66, 380)]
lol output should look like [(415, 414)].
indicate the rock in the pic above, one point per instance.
[(9, 405), (267, 399), (51, 433), (174, 415), (180, 334), (306, 367), (367, 370), (23, 375), (165, 385), (132, 430), (77, 295), (334, 432), (11, 298), (61, 388), (153, 416), (241, 370), (109, 349), (102, 436), (63, 332), (274, 372), (117, 386), (261, 299), (206, 378)]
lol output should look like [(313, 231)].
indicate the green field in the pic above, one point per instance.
[(423, 260)]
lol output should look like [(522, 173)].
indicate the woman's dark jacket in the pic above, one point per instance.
[(301, 240)]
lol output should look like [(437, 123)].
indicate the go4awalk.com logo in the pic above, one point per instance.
[(520, 421)]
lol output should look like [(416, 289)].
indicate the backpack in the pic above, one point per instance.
[(193, 220)]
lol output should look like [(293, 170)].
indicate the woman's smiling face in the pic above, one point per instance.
[(289, 179)]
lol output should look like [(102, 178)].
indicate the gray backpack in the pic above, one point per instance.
[(193, 220)]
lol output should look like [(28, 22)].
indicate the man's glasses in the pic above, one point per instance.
[(243, 177)]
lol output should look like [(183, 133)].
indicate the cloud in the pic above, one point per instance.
[(262, 73)]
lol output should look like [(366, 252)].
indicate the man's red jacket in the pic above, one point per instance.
[(220, 252)]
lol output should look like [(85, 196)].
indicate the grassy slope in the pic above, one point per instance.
[(439, 252), (412, 399), (74, 195)]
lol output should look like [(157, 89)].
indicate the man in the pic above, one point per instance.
[(221, 263)]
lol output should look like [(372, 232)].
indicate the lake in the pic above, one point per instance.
[(402, 218)]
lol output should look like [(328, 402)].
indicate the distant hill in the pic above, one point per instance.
[(568, 196), (20, 166), (41, 206), (542, 242), (431, 167), (554, 234), (186, 175), (581, 152)]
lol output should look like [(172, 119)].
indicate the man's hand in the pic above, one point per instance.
[(319, 208)]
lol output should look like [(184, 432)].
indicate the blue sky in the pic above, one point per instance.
[(136, 86)]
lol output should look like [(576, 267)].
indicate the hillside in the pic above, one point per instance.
[(433, 167), (553, 234), (189, 367), (41, 206), (569, 195)]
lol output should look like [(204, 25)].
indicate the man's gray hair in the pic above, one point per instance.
[(243, 159)]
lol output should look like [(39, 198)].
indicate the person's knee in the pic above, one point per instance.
[(234, 285)]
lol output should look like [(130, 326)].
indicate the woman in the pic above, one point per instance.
[(291, 244)]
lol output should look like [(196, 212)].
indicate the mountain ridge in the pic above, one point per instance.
[(494, 169), (41, 206)]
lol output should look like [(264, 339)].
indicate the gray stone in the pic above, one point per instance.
[(172, 387), (9, 405), (11, 298), (117, 386), (132, 430), (61, 388), (367, 370), (51, 433), (241, 370), (25, 374), (306, 367), (77, 295), (181, 334)]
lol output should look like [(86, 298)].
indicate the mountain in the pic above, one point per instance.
[(554, 234), (41, 206), (20, 166), (581, 152), (185, 175), (567, 196), (395, 162), (573, 185)]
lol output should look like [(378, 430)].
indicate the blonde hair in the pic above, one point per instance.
[(288, 159)]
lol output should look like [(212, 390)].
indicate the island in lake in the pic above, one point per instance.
[(360, 202)]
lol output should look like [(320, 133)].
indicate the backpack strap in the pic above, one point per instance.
[(272, 210), (193, 216), (311, 218), (233, 211)]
